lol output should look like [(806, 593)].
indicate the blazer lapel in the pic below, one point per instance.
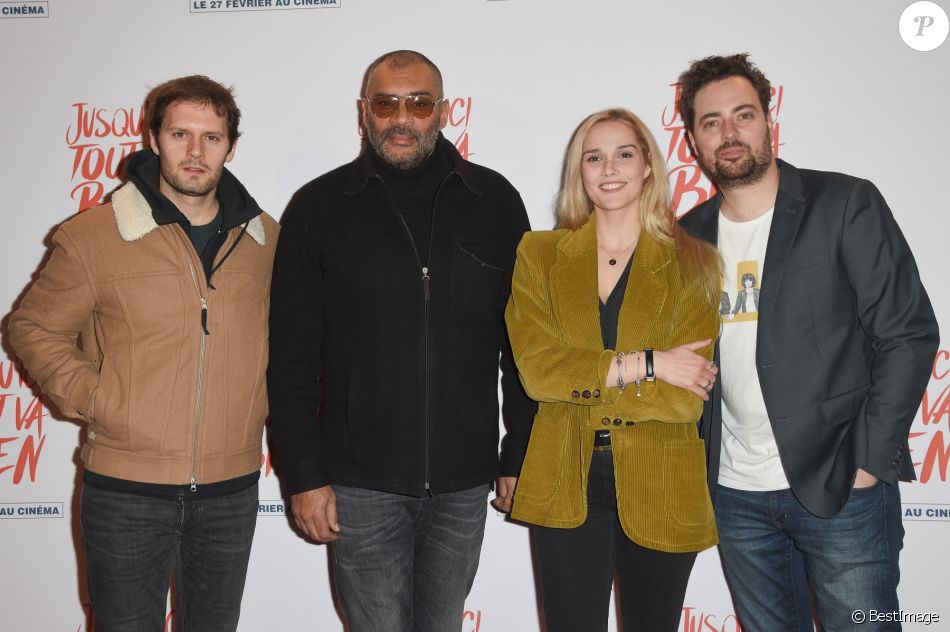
[(574, 285), (786, 218), (709, 222), (645, 295)]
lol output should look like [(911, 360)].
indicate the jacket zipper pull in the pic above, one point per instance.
[(425, 282), (194, 484), (204, 318)]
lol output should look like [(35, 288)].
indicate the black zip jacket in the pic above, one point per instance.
[(383, 373)]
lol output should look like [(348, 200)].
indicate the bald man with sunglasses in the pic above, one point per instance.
[(387, 332)]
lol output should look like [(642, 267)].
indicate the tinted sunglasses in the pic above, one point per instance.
[(418, 105)]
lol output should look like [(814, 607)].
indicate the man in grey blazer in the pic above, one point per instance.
[(820, 377)]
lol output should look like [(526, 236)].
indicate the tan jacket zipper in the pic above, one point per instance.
[(203, 299), (201, 374)]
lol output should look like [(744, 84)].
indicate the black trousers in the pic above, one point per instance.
[(576, 568)]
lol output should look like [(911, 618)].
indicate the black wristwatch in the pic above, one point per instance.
[(650, 376)]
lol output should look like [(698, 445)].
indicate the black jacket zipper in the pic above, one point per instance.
[(426, 297)]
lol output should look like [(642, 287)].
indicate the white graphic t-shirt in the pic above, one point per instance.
[(749, 458)]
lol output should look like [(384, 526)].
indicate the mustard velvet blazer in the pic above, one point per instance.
[(659, 460)]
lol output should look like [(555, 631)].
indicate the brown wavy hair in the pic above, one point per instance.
[(193, 89), (716, 68)]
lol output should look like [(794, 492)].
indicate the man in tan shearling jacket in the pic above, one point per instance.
[(168, 287)]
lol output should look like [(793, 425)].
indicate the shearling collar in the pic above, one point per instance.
[(133, 216), (140, 207)]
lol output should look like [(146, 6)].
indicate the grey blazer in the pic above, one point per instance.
[(846, 336)]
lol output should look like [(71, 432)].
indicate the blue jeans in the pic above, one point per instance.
[(406, 564), (135, 543), (769, 542)]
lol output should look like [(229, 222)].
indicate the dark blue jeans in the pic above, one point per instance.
[(406, 564), (135, 543), (769, 542)]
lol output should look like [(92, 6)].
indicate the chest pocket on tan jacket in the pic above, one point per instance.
[(478, 274)]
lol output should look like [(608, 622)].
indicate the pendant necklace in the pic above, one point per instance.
[(611, 257)]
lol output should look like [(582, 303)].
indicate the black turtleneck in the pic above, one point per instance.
[(413, 193)]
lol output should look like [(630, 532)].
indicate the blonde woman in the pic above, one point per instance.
[(612, 318)]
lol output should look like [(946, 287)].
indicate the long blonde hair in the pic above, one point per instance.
[(699, 261)]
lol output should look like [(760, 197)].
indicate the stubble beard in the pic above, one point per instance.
[(425, 144), (729, 174), (190, 185)]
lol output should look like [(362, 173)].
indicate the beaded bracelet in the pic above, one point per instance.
[(620, 367), (638, 381)]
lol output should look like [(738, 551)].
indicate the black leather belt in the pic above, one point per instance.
[(601, 440)]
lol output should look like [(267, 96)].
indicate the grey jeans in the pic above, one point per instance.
[(406, 564), (135, 543)]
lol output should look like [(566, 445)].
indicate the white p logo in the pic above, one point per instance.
[(924, 26)]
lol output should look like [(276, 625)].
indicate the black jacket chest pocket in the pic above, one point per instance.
[(478, 277)]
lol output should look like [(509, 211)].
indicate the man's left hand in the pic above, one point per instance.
[(504, 493), (864, 479)]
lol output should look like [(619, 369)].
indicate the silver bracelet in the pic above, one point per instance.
[(638, 381), (620, 382)]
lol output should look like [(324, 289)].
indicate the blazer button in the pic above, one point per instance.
[(618, 421), (586, 394), (630, 423), (597, 392), (605, 421), (575, 393)]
